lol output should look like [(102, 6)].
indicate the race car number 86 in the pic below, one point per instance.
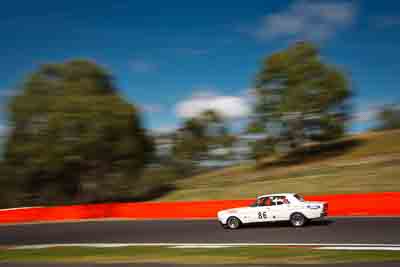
[(262, 215)]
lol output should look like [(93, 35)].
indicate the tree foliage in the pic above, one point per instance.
[(199, 135), (299, 97), (389, 117), (190, 141), (73, 137)]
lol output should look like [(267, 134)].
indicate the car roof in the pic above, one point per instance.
[(280, 194)]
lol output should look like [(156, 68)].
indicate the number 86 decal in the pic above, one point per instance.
[(262, 215)]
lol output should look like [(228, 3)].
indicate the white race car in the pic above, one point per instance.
[(272, 208)]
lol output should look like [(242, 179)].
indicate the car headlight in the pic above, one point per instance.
[(220, 213)]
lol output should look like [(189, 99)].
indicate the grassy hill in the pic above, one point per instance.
[(361, 163)]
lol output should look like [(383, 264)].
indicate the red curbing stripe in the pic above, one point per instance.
[(370, 204)]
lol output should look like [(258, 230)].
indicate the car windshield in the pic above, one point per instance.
[(299, 197)]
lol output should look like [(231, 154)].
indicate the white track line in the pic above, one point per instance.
[(202, 246), (359, 248), (205, 245)]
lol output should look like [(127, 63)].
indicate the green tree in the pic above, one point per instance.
[(300, 97), (190, 140), (201, 134), (255, 127), (217, 133), (73, 137), (389, 117)]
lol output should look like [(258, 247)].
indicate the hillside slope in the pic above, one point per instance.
[(360, 163)]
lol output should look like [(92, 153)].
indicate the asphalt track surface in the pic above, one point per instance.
[(334, 230)]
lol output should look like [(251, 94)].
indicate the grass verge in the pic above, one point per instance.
[(235, 255)]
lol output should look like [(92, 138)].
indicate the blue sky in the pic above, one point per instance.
[(174, 58)]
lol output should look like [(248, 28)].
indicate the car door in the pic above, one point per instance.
[(262, 211), (280, 209)]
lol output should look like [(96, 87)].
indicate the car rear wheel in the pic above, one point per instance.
[(233, 223), (298, 220)]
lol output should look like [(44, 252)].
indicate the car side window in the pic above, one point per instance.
[(271, 201), (280, 200), (268, 201), (260, 202)]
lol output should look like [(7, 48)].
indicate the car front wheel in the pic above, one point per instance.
[(233, 223), (298, 220)]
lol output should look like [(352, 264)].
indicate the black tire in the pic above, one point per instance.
[(298, 220), (233, 223)]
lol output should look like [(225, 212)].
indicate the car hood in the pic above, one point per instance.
[(233, 211)]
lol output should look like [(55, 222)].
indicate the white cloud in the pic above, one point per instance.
[(316, 20), (230, 107), (142, 66)]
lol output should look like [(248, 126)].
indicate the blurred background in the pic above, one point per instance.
[(127, 101)]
